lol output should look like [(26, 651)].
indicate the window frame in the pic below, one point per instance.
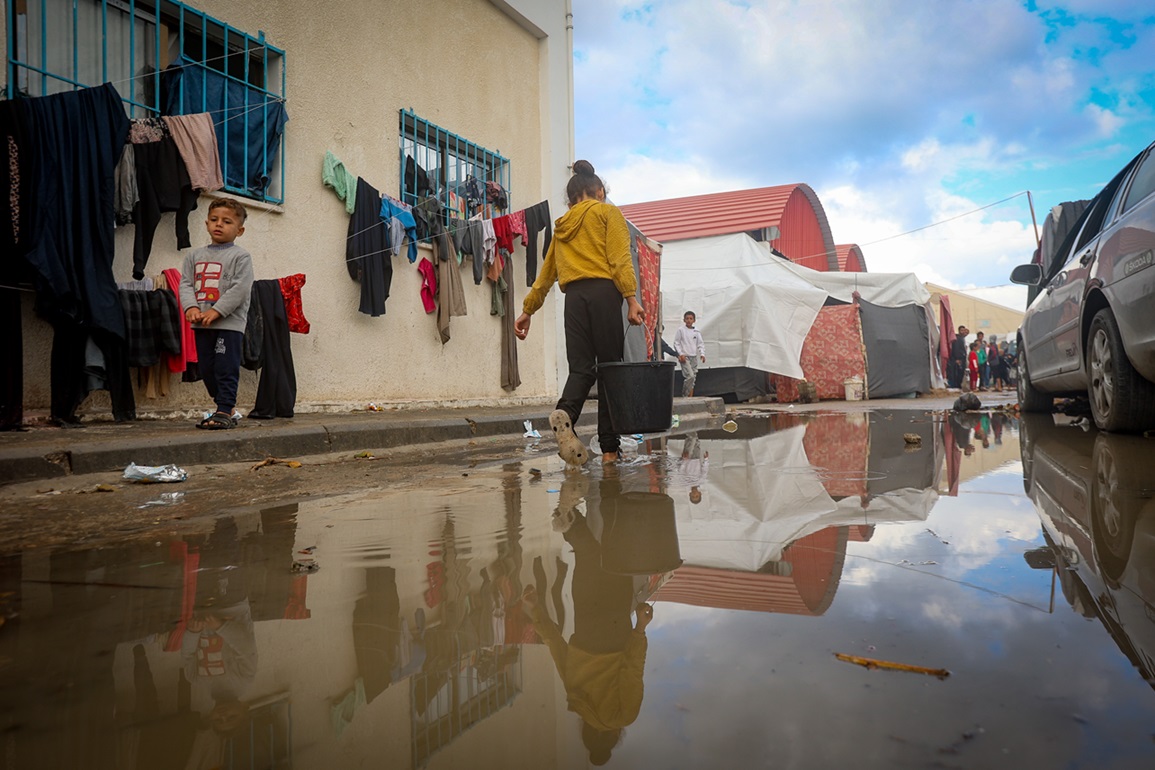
[(454, 150), (170, 38)]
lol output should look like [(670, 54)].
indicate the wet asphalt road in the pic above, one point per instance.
[(996, 577)]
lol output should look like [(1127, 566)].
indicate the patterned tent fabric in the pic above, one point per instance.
[(832, 352), (649, 263)]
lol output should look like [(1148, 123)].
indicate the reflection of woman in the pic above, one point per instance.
[(601, 666)]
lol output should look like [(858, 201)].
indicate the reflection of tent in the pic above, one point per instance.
[(766, 515), (755, 311)]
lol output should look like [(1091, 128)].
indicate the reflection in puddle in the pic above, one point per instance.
[(681, 610)]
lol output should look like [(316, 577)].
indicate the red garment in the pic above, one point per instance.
[(503, 230), (973, 366), (517, 224), (291, 290), (428, 284), (649, 265), (188, 340)]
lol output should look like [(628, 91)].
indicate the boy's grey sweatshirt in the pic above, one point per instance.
[(218, 276)]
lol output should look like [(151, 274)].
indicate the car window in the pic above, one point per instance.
[(1143, 183)]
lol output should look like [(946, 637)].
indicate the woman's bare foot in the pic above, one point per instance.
[(609, 458)]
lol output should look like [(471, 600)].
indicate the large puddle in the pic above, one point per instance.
[(824, 594)]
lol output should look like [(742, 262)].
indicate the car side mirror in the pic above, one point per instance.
[(1028, 275)]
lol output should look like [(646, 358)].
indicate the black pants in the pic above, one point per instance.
[(593, 334), (277, 388), (602, 601), (219, 359), (72, 378), (11, 361)]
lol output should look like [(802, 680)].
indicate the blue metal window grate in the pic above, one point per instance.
[(142, 47), (448, 163)]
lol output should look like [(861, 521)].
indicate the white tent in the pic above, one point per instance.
[(755, 308), (754, 312), (763, 494)]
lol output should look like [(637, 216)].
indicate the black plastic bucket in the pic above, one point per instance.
[(639, 534), (640, 395)]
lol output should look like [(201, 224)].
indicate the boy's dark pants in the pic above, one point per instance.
[(219, 361), (593, 333)]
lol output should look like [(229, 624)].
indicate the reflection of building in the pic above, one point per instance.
[(778, 509)]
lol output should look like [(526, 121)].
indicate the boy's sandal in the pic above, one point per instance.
[(218, 421)]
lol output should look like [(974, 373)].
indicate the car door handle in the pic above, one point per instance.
[(1083, 260)]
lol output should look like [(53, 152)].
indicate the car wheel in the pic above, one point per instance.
[(1121, 400), (1030, 398), (1113, 513)]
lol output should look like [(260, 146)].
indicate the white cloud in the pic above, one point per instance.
[(876, 106)]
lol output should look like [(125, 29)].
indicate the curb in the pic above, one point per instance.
[(280, 438)]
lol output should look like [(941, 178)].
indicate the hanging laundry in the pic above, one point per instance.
[(335, 175), (417, 181), (163, 185), (399, 215), (367, 251), (472, 242), (517, 224), (503, 232), (248, 123), (127, 191), (451, 294), (16, 178), (495, 194), (152, 324), (188, 343), (489, 241), (74, 141), (291, 289), (428, 284), (536, 217), (254, 339), (197, 142), (277, 388), (510, 371), (474, 193)]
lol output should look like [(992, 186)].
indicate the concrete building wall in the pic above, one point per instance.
[(497, 73)]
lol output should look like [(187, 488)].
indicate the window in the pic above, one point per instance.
[(164, 58), (1143, 183), (440, 163)]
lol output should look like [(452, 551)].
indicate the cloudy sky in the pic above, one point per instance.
[(899, 113)]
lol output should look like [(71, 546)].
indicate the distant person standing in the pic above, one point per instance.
[(973, 365), (691, 351), (995, 362), (957, 370)]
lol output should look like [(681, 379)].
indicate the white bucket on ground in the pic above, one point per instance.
[(853, 386)]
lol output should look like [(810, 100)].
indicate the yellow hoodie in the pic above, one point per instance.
[(591, 240)]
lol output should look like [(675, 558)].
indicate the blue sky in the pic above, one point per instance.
[(899, 113)]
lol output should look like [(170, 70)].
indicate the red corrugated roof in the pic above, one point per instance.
[(850, 259), (700, 216)]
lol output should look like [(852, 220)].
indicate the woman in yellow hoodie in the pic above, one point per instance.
[(590, 259)]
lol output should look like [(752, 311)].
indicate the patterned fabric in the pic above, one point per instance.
[(147, 130), (832, 352), (517, 224), (839, 445), (152, 322), (649, 265), (291, 289)]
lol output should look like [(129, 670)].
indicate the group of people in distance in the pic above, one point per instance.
[(981, 365)]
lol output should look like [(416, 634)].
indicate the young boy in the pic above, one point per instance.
[(690, 348), (214, 290)]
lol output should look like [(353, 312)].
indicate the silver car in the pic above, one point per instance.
[(1091, 329)]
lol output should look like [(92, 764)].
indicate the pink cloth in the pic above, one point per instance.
[(428, 284), (517, 224), (197, 142)]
